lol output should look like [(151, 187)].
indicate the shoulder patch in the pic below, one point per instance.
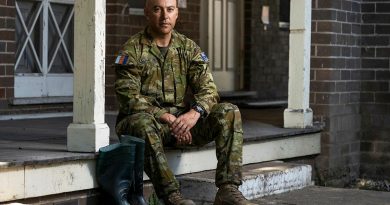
[(121, 59), (204, 57)]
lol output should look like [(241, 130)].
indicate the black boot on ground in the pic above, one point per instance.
[(136, 195), (114, 171)]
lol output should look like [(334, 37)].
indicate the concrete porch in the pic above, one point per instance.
[(34, 161)]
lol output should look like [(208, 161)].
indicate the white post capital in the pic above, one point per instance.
[(298, 114), (89, 132)]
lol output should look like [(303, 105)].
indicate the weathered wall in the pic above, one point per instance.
[(375, 90), (335, 87)]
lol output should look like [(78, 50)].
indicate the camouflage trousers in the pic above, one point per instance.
[(223, 125)]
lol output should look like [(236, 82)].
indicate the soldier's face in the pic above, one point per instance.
[(161, 15)]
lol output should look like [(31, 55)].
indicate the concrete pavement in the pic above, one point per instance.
[(316, 195)]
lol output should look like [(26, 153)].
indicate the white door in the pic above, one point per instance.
[(221, 33), (44, 56)]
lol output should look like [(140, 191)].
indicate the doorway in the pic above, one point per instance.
[(221, 37)]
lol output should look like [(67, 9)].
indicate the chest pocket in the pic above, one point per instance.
[(150, 78), (181, 69)]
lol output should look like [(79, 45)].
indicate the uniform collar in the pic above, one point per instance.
[(147, 39)]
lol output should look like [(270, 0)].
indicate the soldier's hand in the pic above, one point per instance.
[(184, 139), (184, 123), (167, 118)]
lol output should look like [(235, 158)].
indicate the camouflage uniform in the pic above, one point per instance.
[(149, 85)]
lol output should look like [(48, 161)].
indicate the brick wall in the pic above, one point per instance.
[(267, 51), (7, 50), (121, 25), (335, 87), (375, 95)]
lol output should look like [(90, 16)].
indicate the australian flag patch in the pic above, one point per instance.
[(121, 59), (204, 57)]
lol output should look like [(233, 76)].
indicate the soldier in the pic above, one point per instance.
[(155, 70)]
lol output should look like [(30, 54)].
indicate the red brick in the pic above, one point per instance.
[(382, 75), (9, 92), (6, 82), (7, 12), (327, 98), (2, 70), (10, 2), (382, 97), (345, 74), (329, 4), (113, 8), (327, 74), (341, 86), (9, 71), (323, 38), (366, 97), (346, 5), (353, 86), (327, 26), (324, 15), (2, 93), (328, 51), (10, 23), (11, 47), (7, 58), (7, 35), (3, 23), (317, 86)]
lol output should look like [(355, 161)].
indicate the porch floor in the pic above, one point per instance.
[(36, 141)]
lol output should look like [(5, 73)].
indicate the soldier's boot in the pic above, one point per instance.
[(114, 168), (175, 198), (228, 194), (136, 196)]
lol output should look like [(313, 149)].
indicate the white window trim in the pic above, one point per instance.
[(44, 84)]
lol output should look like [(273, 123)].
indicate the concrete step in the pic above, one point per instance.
[(262, 179), (237, 94), (34, 161), (237, 97)]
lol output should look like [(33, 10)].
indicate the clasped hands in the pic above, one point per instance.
[(181, 126)]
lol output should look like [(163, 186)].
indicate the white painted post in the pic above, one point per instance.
[(89, 132), (298, 114)]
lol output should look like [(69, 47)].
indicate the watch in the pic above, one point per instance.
[(199, 109)]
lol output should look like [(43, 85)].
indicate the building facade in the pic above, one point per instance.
[(349, 74)]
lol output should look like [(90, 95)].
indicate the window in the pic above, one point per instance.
[(284, 13), (44, 56)]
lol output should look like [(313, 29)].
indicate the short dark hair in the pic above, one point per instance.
[(177, 3)]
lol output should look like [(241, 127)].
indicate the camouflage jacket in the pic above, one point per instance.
[(148, 82)]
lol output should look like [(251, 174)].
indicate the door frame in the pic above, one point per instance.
[(206, 36)]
